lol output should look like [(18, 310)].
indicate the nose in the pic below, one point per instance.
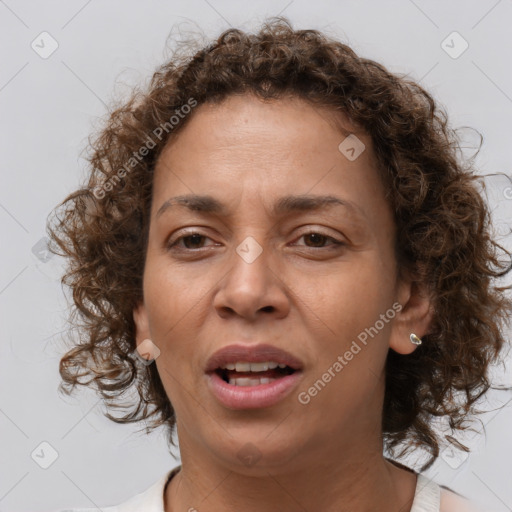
[(251, 289)]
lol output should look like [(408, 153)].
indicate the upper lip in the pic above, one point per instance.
[(251, 354)]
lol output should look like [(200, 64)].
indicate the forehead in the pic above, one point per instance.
[(265, 149), (244, 131), (275, 121)]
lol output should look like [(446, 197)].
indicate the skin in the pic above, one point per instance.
[(302, 294)]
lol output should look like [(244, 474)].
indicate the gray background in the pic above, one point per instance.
[(48, 108)]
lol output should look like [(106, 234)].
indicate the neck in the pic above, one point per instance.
[(358, 481)]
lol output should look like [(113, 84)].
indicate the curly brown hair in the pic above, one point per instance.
[(444, 231)]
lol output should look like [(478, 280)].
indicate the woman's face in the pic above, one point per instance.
[(313, 282)]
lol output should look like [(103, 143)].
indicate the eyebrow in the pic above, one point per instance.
[(287, 204)]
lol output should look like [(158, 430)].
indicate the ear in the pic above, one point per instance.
[(140, 317), (415, 316)]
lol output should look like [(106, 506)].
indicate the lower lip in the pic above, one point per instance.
[(252, 397)]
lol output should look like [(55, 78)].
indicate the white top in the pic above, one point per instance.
[(428, 497)]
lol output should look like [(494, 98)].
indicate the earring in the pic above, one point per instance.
[(414, 339)]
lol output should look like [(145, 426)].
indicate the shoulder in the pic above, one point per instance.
[(433, 497), (453, 502), (149, 500), (103, 509), (113, 508)]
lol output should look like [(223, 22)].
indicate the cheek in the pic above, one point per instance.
[(352, 345), (171, 290), (355, 307), (170, 304), (171, 311), (356, 295)]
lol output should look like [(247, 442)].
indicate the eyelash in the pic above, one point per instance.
[(171, 246)]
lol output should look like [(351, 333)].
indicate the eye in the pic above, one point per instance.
[(318, 239), (191, 241)]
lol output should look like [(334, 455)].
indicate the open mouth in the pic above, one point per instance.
[(253, 378), (240, 384)]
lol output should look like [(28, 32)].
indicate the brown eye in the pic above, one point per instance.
[(194, 240), (318, 240), (190, 242)]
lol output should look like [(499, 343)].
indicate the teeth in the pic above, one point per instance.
[(246, 381), (259, 367), (243, 366)]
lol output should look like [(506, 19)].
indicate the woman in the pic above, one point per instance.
[(278, 248)]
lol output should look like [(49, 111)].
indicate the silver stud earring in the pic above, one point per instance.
[(414, 339)]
